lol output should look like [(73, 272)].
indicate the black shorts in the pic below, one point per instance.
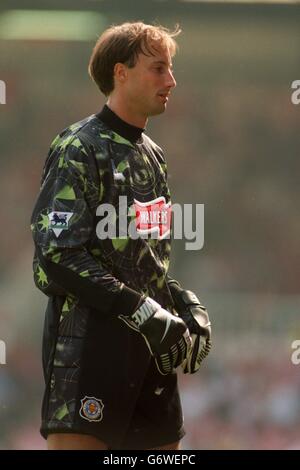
[(102, 381)]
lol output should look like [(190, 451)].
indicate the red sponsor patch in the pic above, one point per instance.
[(153, 217)]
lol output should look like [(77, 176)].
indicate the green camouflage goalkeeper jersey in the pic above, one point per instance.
[(92, 163)]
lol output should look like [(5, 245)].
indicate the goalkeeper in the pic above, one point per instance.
[(116, 326)]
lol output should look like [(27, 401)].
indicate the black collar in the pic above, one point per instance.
[(115, 123)]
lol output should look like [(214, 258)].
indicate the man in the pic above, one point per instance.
[(116, 325)]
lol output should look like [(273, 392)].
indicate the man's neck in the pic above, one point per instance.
[(124, 112), (118, 125)]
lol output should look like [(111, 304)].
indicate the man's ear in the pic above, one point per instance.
[(120, 72)]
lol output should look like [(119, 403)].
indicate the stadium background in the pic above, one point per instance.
[(231, 137)]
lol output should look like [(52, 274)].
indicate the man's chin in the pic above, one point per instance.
[(158, 109)]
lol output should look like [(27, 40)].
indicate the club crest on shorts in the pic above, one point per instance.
[(59, 221), (91, 409)]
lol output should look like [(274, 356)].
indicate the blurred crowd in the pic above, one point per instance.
[(251, 403)]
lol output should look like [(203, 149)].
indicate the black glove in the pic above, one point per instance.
[(166, 335), (195, 316)]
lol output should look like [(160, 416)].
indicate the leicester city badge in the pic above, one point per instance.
[(91, 409)]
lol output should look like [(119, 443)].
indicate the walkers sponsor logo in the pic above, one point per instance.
[(91, 409), (153, 217)]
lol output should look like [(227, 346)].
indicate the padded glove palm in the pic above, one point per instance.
[(165, 334), (195, 316)]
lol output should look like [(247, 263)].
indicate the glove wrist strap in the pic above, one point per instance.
[(148, 308)]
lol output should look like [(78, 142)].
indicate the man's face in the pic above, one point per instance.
[(149, 83)]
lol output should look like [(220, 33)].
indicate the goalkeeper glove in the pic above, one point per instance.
[(166, 335), (195, 315)]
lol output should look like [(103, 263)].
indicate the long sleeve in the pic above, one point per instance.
[(63, 222)]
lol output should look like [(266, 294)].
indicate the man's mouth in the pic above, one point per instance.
[(164, 95)]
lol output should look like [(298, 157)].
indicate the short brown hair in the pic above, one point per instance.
[(122, 43)]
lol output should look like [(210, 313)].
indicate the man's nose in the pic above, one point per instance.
[(171, 82)]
